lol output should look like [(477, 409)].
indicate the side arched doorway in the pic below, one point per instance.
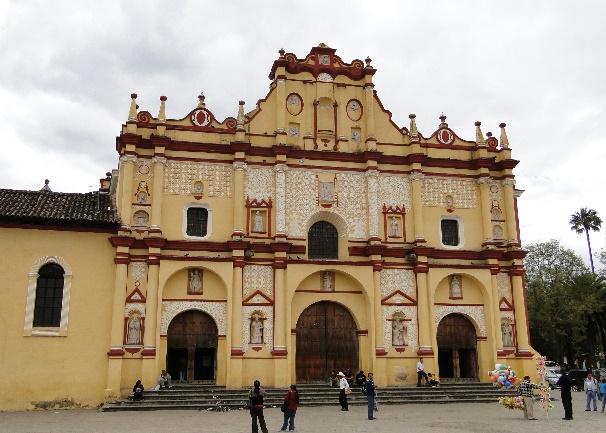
[(192, 341), (457, 347), (327, 340)]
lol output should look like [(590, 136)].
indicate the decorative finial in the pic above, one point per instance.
[(368, 60), (479, 136), (489, 134), (414, 134), (162, 111), (504, 140), (132, 112), (240, 119), (46, 187), (201, 99), (443, 123), (281, 52)]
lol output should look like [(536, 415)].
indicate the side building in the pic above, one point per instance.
[(309, 234)]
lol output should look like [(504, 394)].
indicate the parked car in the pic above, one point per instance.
[(553, 367), (578, 376), (552, 379)]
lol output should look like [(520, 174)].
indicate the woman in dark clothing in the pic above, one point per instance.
[(138, 391), (291, 401), (255, 403)]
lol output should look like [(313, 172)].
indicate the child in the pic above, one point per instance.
[(432, 381)]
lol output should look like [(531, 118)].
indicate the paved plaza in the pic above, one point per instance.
[(464, 417)]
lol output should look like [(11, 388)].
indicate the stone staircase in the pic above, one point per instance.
[(211, 397)]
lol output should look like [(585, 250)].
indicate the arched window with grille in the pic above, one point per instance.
[(49, 296), (323, 241)]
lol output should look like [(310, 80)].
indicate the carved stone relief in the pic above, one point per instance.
[(410, 312), (394, 191), (260, 278), (259, 183), (138, 271), (476, 313), (456, 286), (503, 286), (398, 279), (181, 175), (463, 192), (352, 203), (268, 325), (217, 310)]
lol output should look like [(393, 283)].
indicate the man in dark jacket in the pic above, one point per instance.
[(565, 385), (371, 391)]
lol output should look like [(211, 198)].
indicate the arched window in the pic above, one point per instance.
[(197, 222), (49, 296), (323, 241)]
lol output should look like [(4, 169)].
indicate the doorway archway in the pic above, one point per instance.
[(457, 348), (192, 340), (327, 340)]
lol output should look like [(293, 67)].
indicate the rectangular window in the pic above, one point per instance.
[(197, 221), (450, 232)]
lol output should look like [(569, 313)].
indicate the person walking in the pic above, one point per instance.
[(565, 385), (602, 389), (343, 391), (526, 391), (591, 388), (290, 405), (371, 392), (255, 404), (421, 373)]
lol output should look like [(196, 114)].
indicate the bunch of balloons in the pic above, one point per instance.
[(503, 376)]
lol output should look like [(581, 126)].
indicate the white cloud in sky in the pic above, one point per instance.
[(67, 70)]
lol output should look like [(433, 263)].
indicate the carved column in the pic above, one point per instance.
[(239, 221), (485, 206), (378, 311), (280, 173), (425, 321), (498, 338), (372, 183), (279, 310), (369, 111), (158, 191), (280, 107), (149, 352), (342, 95), (519, 304), (510, 213), (127, 163), (236, 314), (416, 182)]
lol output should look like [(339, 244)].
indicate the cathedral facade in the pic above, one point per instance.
[(306, 235)]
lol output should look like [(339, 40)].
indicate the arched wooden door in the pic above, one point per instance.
[(192, 346), (457, 344), (326, 340)]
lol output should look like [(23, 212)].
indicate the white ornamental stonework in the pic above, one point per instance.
[(281, 197), (372, 188), (410, 312), (268, 326), (394, 191), (260, 278), (398, 279), (132, 307), (259, 183), (475, 313), (352, 205), (503, 286), (216, 310), (300, 201), (464, 192), (181, 175), (138, 271)]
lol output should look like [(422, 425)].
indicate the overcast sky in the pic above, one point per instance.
[(67, 70)]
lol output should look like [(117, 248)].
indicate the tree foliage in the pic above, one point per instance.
[(582, 222), (565, 303)]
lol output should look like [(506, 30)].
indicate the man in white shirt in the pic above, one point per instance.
[(421, 373), (591, 388), (343, 391)]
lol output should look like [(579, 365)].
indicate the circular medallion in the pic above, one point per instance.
[(294, 104), (492, 143), (201, 117), (325, 77), (445, 136), (144, 169), (494, 188), (354, 110)]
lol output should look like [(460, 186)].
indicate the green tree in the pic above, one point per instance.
[(564, 300), (583, 221)]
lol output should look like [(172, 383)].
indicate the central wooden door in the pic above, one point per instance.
[(457, 344), (192, 346), (327, 340)]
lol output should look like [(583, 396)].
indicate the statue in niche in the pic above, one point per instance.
[(258, 223), (394, 227), (399, 331), (507, 332), (328, 281), (326, 192), (449, 202), (195, 282), (133, 330), (496, 213), (497, 232), (456, 287), (256, 329)]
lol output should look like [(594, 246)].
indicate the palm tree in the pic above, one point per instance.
[(583, 221)]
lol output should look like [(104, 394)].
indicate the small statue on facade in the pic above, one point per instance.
[(133, 330), (507, 332), (328, 281), (256, 329), (394, 227), (455, 287), (258, 225), (399, 331), (195, 282)]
